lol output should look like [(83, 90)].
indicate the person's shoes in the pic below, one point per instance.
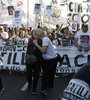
[(44, 92), (34, 92), (1, 90), (64, 75), (56, 76), (28, 88)]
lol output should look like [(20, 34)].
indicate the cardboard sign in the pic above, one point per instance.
[(17, 17), (56, 12), (49, 9), (37, 9), (72, 25)]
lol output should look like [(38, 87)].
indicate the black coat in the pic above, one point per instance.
[(84, 74)]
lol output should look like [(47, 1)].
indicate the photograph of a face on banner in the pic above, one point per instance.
[(10, 10), (17, 14), (73, 26), (84, 40)]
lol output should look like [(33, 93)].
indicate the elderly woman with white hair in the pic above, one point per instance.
[(49, 60)]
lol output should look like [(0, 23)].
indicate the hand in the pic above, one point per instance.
[(35, 41), (79, 48), (0, 32), (1, 58), (87, 49)]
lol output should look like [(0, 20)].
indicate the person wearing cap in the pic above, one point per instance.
[(3, 35), (82, 38)]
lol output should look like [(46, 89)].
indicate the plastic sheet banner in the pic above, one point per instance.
[(14, 58), (72, 59)]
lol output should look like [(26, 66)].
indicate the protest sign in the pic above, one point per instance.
[(49, 9), (17, 17), (37, 9)]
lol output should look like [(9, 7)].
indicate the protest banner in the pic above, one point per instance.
[(49, 9), (56, 12), (10, 10), (37, 9), (72, 25), (17, 17), (72, 59), (14, 58)]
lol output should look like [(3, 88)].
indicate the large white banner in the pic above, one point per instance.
[(14, 58), (72, 59)]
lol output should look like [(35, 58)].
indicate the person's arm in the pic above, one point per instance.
[(23, 27), (4, 39), (1, 58), (61, 27), (42, 49), (76, 44)]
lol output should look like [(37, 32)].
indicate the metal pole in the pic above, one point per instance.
[(88, 0), (37, 14), (27, 14), (13, 20)]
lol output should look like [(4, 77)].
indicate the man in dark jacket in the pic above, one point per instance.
[(33, 68), (79, 87)]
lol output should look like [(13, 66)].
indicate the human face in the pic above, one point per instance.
[(66, 31), (21, 35), (57, 27), (85, 29), (86, 39), (1, 30)]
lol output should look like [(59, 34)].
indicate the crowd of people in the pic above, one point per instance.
[(39, 44), (60, 36)]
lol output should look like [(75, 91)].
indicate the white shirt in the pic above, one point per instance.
[(4, 35), (1, 42), (50, 53), (28, 36), (83, 38), (24, 40), (55, 42)]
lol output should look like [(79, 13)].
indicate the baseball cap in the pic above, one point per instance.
[(84, 25)]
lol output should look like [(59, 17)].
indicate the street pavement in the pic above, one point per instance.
[(15, 87)]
